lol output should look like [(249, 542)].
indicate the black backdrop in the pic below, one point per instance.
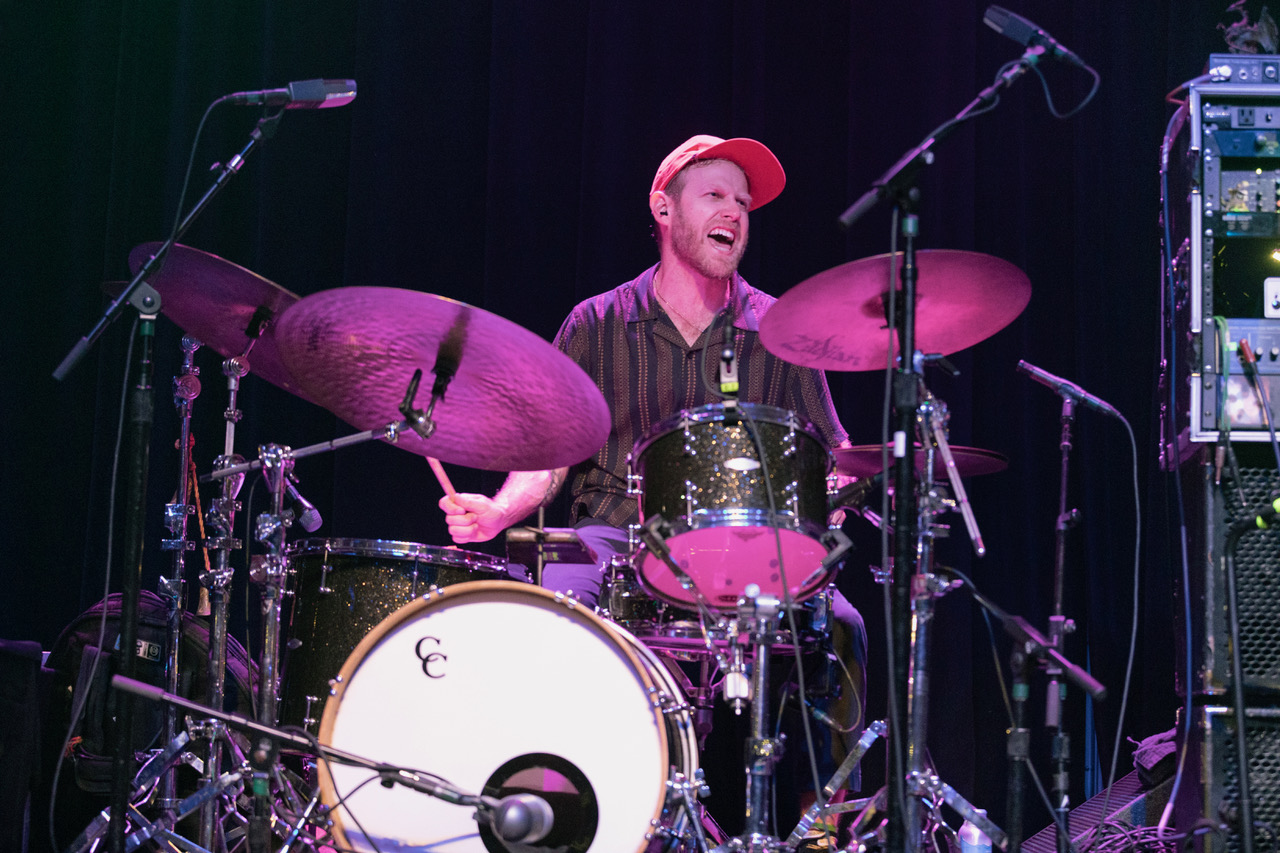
[(500, 153)]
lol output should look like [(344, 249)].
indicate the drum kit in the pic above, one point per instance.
[(496, 715)]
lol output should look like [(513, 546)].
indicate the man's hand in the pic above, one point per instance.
[(476, 518), (473, 518)]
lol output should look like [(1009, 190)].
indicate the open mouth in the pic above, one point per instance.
[(723, 236)]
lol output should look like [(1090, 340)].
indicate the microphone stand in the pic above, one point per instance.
[(899, 183), (147, 302), (269, 738), (1030, 643), (137, 449), (1059, 627)]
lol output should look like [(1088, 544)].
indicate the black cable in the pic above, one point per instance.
[(788, 604), (968, 583), (1133, 630), (78, 707), (1048, 804), (1170, 334), (341, 799), (1053, 110)]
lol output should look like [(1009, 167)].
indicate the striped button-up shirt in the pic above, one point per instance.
[(647, 373)]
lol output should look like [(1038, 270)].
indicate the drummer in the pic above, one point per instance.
[(643, 343)]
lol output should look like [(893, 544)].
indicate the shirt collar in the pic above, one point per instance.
[(748, 304)]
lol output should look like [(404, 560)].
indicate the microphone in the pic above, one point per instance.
[(300, 95), (522, 818), (1026, 33), (303, 510), (854, 496), (1068, 389)]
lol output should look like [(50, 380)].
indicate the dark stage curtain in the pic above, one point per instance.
[(500, 153)]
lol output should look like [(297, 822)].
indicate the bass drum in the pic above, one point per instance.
[(504, 688), (342, 590)]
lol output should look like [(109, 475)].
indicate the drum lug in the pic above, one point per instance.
[(690, 498), (679, 783), (325, 568), (689, 449), (635, 484), (307, 720), (790, 448), (792, 493)]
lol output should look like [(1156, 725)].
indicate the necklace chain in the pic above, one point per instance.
[(672, 309), (667, 304)]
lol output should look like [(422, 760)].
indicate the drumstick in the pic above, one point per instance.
[(441, 476)]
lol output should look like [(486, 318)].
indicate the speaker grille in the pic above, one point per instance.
[(1257, 580), (1211, 510), (1221, 772)]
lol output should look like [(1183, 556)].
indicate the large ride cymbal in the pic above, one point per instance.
[(515, 402), (864, 461), (217, 302), (835, 320)]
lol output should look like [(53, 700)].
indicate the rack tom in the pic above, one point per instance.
[(703, 471)]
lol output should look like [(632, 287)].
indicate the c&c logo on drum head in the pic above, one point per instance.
[(428, 658)]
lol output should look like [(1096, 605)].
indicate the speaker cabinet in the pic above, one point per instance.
[(1213, 792), (1213, 503)]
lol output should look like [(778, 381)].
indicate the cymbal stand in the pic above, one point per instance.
[(923, 785), (186, 387), (217, 580), (270, 527)]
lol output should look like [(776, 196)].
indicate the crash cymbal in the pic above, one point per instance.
[(836, 319), (864, 461), (216, 301), (515, 403)]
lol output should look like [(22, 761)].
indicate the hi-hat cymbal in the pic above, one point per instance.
[(835, 320), (217, 302), (865, 461), (515, 402)]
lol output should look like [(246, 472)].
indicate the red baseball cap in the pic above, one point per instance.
[(765, 177)]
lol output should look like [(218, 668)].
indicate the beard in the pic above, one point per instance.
[(690, 246)]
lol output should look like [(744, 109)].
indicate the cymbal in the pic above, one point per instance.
[(515, 402), (835, 320), (864, 461), (215, 301)]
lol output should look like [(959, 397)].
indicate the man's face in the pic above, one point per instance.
[(709, 218)]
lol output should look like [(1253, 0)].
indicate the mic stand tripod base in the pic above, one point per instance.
[(930, 786)]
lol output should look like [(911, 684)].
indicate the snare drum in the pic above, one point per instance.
[(700, 471), (504, 688), (342, 589)]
